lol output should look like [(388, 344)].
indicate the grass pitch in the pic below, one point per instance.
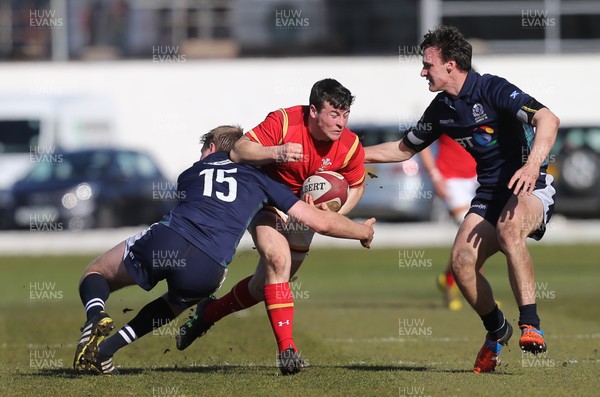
[(370, 323)]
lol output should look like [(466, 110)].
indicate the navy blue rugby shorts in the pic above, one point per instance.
[(489, 204), (159, 253)]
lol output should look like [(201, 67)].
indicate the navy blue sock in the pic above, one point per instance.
[(94, 291), (154, 315), (528, 315), (495, 323)]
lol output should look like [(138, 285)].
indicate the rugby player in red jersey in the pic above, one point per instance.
[(290, 145)]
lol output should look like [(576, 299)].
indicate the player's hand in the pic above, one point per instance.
[(307, 198), (289, 153), (523, 181), (367, 241)]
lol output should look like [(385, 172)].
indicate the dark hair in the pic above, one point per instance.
[(332, 91), (452, 44), (224, 137)]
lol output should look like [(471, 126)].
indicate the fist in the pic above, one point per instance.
[(289, 152)]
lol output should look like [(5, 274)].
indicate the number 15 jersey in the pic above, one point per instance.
[(217, 200)]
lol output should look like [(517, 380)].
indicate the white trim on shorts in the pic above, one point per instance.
[(546, 195), (131, 240)]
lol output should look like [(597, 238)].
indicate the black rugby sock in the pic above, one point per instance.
[(528, 315), (93, 291), (495, 323), (154, 315)]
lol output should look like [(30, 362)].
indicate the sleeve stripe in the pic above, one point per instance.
[(360, 181), (253, 135), (351, 152), (530, 110), (285, 125), (412, 138)]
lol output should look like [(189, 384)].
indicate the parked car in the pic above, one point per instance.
[(395, 191), (91, 188), (575, 164)]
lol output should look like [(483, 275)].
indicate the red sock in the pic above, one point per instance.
[(237, 299), (449, 278), (279, 302)]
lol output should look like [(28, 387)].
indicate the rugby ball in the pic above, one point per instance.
[(327, 187)]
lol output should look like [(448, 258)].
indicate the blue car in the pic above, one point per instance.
[(93, 188)]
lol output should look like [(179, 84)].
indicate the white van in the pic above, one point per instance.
[(34, 128)]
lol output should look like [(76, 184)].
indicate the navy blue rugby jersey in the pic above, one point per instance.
[(490, 118), (217, 200)]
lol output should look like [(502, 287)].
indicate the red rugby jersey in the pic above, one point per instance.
[(345, 156)]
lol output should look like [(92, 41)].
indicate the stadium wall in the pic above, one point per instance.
[(164, 107)]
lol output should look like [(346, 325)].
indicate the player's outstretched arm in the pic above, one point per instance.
[(333, 224), (388, 152), (248, 151)]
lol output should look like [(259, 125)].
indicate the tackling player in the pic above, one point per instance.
[(494, 120), (291, 145), (217, 200)]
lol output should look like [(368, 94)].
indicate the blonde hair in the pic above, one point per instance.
[(224, 137)]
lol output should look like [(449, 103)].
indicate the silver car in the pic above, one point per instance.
[(394, 191)]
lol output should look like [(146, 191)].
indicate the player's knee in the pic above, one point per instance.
[(95, 267), (463, 262), (277, 261), (509, 234)]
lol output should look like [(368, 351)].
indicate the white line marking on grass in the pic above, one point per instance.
[(579, 336), (440, 339), (40, 346), (395, 339)]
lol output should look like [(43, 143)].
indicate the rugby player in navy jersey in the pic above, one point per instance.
[(510, 134), (217, 200)]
